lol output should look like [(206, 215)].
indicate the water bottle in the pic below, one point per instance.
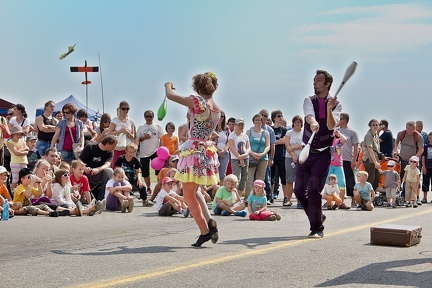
[(5, 214)]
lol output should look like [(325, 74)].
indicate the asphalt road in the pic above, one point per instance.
[(144, 250)]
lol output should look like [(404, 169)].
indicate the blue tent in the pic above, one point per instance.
[(93, 115)]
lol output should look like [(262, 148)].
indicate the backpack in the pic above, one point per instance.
[(415, 138)]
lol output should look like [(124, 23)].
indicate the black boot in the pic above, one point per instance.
[(202, 239), (212, 225)]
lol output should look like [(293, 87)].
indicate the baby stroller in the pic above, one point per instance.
[(381, 199)]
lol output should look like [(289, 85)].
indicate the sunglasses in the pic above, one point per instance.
[(390, 166), (279, 116), (148, 116), (265, 116), (66, 112), (413, 161), (125, 108), (107, 121), (66, 175), (175, 161)]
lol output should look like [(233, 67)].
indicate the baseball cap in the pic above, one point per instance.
[(24, 172), (259, 183), (391, 163), (239, 120), (167, 180), (31, 137)]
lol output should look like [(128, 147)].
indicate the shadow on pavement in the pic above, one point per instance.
[(409, 272), (254, 242), (122, 250)]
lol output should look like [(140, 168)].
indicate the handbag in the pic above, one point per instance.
[(76, 147), (252, 161)]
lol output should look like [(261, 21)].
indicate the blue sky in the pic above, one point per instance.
[(264, 53)]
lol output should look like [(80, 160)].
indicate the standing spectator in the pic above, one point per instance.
[(58, 115), (259, 140), (98, 157), (349, 156), (198, 157), (148, 138), (412, 181), (279, 156), (88, 131), (20, 119), (124, 128), (18, 150), (221, 141), (4, 134), (231, 126), (68, 132), (170, 140), (386, 139), (391, 183), (46, 125), (322, 116), (336, 166), (427, 168), (293, 144), (411, 144), (371, 150), (102, 129), (419, 128), (265, 116)]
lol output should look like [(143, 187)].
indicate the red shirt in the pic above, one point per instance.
[(67, 143), (82, 183)]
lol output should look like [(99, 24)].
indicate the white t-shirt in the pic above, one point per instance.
[(14, 122), (149, 146), (239, 143), (110, 183), (295, 139), (160, 198), (119, 125), (330, 189), (222, 140)]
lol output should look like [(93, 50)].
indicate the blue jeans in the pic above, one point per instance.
[(67, 156), (41, 146), (223, 164)]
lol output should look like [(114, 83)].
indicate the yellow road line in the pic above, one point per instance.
[(139, 277)]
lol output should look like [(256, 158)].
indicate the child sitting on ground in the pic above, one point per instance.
[(257, 204), (331, 192), (412, 181), (169, 202), (25, 191), (117, 193), (227, 200), (391, 183), (4, 193), (363, 192)]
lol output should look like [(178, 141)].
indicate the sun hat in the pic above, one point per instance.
[(16, 129), (414, 159), (391, 163), (239, 120)]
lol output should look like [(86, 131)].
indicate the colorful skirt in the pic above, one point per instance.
[(198, 163)]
